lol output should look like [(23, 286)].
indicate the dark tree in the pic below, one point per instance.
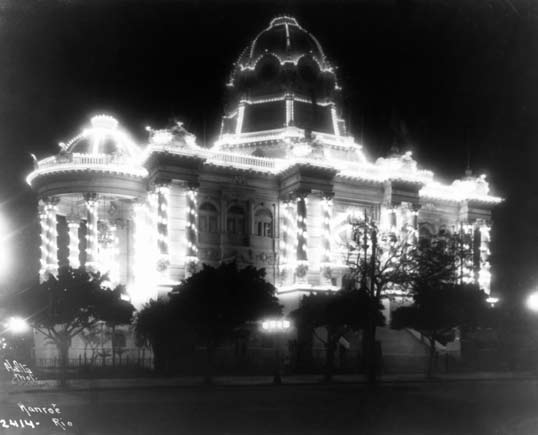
[(437, 309), (213, 305), (395, 260), (67, 304), (115, 311), (440, 300), (378, 262), (156, 326), (338, 313)]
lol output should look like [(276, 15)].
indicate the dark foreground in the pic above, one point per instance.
[(490, 407)]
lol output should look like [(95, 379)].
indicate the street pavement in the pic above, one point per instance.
[(196, 381), (473, 407)]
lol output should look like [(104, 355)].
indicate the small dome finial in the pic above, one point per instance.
[(283, 19), (104, 121)]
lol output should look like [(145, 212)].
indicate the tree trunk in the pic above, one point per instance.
[(329, 357), (210, 363), (372, 357), (113, 345), (376, 295), (431, 359), (370, 345), (63, 345)]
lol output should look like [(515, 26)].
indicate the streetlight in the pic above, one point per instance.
[(532, 302), (17, 325), (3, 247), (492, 300), (276, 327)]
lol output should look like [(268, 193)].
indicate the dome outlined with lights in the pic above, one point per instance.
[(283, 84), (287, 41), (103, 137), (103, 147)]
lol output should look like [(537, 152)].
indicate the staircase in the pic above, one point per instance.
[(402, 351)]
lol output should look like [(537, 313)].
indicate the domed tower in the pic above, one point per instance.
[(282, 86), (87, 192)]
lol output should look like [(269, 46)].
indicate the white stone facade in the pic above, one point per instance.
[(150, 214)]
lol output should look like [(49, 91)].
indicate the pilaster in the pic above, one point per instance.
[(92, 232), (191, 231), (73, 225), (301, 198), (49, 237), (326, 257), (162, 199)]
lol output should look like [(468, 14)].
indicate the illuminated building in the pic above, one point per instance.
[(276, 190)]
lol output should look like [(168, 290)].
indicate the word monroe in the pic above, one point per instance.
[(47, 410), (50, 410)]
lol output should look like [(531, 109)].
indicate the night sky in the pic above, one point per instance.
[(455, 81)]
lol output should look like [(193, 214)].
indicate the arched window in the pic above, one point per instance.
[(235, 220), (208, 218), (263, 223)]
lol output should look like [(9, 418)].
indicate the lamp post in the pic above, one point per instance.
[(277, 328), (492, 301), (532, 302)]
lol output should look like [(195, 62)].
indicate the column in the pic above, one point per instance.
[(144, 270), (289, 110), (92, 232), (162, 199), (240, 116), (302, 237), (191, 231), (287, 232), (44, 245), (484, 274), (466, 254), (109, 254), (153, 237), (140, 241), (73, 226), (327, 211), (334, 117), (414, 226), (49, 237), (393, 221)]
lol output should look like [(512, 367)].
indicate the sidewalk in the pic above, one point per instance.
[(257, 381)]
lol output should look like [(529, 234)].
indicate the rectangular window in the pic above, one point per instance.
[(260, 232), (230, 225), (203, 223), (240, 226), (212, 224)]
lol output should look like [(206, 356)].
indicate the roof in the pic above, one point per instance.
[(287, 41)]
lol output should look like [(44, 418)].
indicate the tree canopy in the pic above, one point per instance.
[(339, 312), (344, 310), (441, 301), (71, 301), (211, 305), (443, 307), (64, 305)]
